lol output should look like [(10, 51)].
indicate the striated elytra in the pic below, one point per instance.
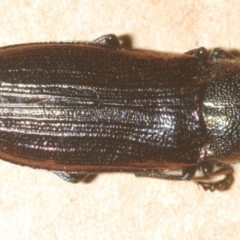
[(82, 108)]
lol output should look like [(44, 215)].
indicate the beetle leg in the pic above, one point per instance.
[(218, 53), (73, 177), (186, 174), (207, 168), (207, 181), (199, 52), (160, 175), (111, 40)]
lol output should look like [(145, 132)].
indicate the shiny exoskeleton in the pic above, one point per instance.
[(82, 108)]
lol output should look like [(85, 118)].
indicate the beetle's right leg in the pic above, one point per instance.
[(208, 181), (111, 40), (73, 177), (184, 174)]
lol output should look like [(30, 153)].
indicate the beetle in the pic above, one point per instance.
[(77, 108)]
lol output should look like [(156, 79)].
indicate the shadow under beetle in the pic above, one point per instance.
[(81, 108)]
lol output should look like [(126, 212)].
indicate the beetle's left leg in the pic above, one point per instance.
[(73, 177), (218, 53), (199, 52), (185, 174), (111, 40)]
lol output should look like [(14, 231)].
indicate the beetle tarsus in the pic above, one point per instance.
[(73, 177), (111, 40)]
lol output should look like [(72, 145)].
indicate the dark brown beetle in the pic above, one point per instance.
[(82, 108)]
